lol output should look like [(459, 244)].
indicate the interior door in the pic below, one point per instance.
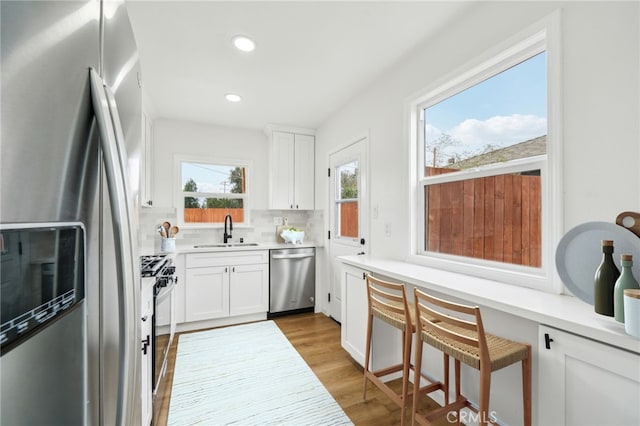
[(348, 225)]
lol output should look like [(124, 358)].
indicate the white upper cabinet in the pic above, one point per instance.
[(147, 162), (292, 169), (281, 172), (303, 173)]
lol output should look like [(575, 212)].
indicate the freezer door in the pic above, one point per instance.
[(47, 166), (48, 174)]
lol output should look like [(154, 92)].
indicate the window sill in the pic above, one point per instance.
[(560, 311)]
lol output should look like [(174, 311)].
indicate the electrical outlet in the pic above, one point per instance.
[(375, 211), (387, 229), (277, 220)]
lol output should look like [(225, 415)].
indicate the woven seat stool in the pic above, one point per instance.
[(387, 301), (463, 338)]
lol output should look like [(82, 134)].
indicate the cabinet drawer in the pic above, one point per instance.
[(203, 260)]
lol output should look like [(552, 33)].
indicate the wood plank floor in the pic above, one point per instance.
[(317, 339)]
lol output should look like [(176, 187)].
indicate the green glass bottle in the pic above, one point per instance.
[(625, 281), (605, 280)]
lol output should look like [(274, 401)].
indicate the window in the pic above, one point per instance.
[(212, 190), (347, 200), (483, 186), (491, 215)]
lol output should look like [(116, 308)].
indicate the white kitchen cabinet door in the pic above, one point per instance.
[(206, 293), (354, 312), (584, 382), (282, 170), (304, 162), (249, 289), (146, 171), (292, 171)]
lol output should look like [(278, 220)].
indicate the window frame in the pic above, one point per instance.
[(179, 194), (542, 36)]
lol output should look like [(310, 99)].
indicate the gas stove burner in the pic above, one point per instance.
[(150, 266)]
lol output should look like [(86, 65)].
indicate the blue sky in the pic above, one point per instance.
[(208, 178), (508, 108)]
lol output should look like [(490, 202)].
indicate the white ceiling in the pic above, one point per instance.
[(311, 57)]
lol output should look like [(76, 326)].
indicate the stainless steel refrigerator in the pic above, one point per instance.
[(69, 155)]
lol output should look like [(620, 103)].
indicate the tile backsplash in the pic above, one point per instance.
[(262, 228)]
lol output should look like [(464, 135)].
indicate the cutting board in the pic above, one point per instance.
[(629, 220), (281, 228)]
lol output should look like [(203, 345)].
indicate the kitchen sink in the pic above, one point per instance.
[(222, 245)]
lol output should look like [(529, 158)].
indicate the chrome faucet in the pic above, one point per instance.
[(227, 235)]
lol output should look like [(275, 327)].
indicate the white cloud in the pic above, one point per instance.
[(499, 130), (208, 187), (432, 132)]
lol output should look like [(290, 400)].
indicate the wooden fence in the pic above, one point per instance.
[(212, 215), (494, 218), (349, 219)]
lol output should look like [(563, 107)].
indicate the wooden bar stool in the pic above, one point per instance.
[(388, 302), (465, 340)]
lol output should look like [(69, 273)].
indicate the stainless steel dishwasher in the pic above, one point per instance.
[(292, 280)]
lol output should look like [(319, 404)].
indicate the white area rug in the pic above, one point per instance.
[(247, 375)]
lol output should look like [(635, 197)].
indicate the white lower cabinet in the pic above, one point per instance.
[(248, 289), (385, 342), (584, 382), (219, 285), (354, 312), (207, 293)]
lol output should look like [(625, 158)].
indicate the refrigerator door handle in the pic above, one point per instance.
[(120, 212), (129, 257)]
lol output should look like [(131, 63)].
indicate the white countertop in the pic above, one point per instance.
[(183, 247), (561, 311)]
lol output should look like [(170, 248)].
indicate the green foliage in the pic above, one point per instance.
[(348, 184), (236, 178), (217, 203), (191, 202)]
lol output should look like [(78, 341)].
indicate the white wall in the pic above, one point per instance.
[(601, 65), (600, 131), (173, 138)]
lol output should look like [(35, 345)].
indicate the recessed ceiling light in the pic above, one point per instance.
[(244, 43), (232, 97)]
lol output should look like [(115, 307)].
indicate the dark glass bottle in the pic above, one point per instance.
[(605, 280)]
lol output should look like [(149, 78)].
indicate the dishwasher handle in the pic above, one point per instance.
[(292, 256)]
